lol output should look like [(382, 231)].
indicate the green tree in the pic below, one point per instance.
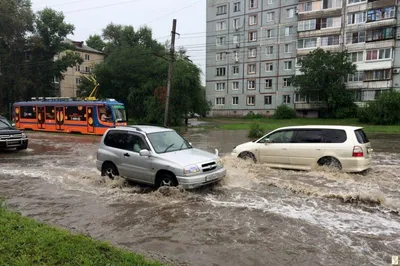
[(95, 42), (323, 75), (383, 111)]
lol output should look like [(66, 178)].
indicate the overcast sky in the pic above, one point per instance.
[(91, 16)]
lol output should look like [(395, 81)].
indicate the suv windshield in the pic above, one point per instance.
[(119, 112), (168, 141), (4, 124)]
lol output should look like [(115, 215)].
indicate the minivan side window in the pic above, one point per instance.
[(334, 136), (308, 136), (361, 136), (283, 136)]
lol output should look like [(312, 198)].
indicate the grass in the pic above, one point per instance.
[(269, 124), (24, 241)]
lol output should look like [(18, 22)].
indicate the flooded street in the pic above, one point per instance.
[(256, 216)]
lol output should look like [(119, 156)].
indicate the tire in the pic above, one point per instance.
[(330, 162), (166, 180), (110, 170), (23, 147), (248, 156)]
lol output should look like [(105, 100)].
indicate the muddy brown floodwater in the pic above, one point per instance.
[(256, 216)]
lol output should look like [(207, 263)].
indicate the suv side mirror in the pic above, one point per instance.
[(144, 153), (13, 124)]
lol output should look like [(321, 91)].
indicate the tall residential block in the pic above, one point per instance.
[(253, 47)]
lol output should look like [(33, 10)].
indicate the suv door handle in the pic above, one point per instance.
[(127, 155)]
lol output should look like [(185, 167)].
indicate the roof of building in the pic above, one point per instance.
[(80, 46)]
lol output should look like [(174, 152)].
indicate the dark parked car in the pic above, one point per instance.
[(10, 137)]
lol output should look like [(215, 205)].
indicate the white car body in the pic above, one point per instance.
[(304, 147)]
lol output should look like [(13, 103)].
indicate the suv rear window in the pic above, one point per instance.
[(361, 136)]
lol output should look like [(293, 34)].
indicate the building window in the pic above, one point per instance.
[(375, 75), (269, 67), (251, 68), (270, 16), (330, 40), (358, 76), (288, 65), (235, 70), (78, 68), (287, 82), (236, 23), (221, 25), (221, 56), (235, 85), (220, 101), (268, 83), (380, 34), (355, 1), (288, 48), (253, 4), (78, 81), (269, 34), (221, 71), (252, 20), (327, 23), (252, 52), (290, 12), (270, 50), (357, 57), (235, 100), (305, 7), (357, 18), (87, 57), (286, 99), (355, 37), (326, 4), (236, 7), (56, 80), (220, 86), (220, 41), (221, 10), (251, 100), (299, 98), (381, 13), (267, 100), (307, 43), (307, 25), (236, 38), (251, 84), (270, 2), (379, 54), (252, 36), (288, 30)]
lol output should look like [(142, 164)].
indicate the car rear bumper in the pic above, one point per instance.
[(191, 182), (354, 165)]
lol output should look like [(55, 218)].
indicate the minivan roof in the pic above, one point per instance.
[(145, 128), (322, 127)]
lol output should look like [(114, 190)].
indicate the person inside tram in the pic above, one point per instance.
[(105, 114)]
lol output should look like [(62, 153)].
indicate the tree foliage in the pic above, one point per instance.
[(383, 111), (284, 112), (323, 76), (95, 42)]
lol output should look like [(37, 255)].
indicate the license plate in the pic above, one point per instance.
[(212, 177)]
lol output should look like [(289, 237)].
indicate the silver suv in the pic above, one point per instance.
[(157, 156)]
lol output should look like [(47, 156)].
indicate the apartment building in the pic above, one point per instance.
[(68, 87), (253, 47)]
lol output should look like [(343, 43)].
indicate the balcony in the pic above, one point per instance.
[(319, 33), (322, 13), (308, 106), (380, 23), (381, 3)]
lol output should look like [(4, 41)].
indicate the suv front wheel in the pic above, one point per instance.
[(166, 180), (110, 170)]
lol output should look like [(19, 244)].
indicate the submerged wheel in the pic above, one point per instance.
[(166, 180), (110, 170), (330, 162), (248, 156)]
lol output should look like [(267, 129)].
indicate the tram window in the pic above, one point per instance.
[(75, 113), (28, 112), (50, 112)]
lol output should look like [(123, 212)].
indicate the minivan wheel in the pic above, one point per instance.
[(166, 180), (331, 162), (110, 170), (248, 155)]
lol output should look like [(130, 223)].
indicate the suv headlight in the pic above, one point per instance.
[(219, 162), (23, 135), (191, 169)]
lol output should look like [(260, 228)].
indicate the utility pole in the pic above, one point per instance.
[(172, 56)]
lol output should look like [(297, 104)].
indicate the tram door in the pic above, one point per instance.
[(90, 119), (60, 117), (41, 119)]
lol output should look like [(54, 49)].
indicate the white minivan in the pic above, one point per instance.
[(303, 147)]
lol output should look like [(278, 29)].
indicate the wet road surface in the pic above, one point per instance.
[(256, 216)]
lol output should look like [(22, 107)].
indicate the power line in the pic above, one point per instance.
[(98, 7)]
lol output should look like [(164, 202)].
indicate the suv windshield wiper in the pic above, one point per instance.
[(169, 147), (181, 146)]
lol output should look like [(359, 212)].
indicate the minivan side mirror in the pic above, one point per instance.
[(267, 141), (144, 153), (190, 144)]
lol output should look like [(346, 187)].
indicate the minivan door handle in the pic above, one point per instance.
[(127, 155)]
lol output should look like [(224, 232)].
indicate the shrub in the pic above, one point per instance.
[(256, 131), (251, 115), (384, 111), (284, 112)]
